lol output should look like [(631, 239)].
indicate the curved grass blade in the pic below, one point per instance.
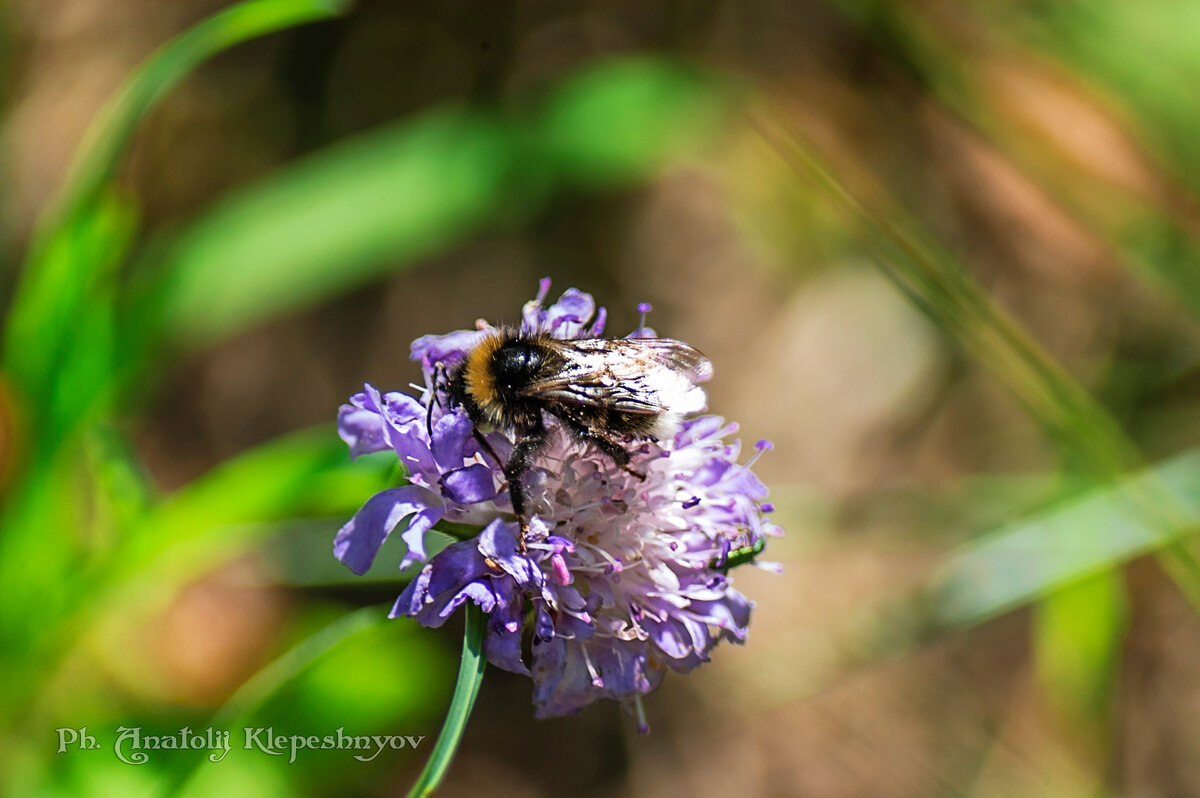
[(106, 140), (276, 675), (1087, 536), (271, 678), (332, 221), (1091, 441), (366, 207), (39, 296), (213, 519), (470, 676)]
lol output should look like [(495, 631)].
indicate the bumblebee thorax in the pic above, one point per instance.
[(497, 370)]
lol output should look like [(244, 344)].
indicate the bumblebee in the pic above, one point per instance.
[(601, 391)]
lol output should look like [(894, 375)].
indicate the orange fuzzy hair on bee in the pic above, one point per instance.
[(477, 373)]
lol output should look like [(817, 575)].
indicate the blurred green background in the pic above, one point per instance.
[(946, 255)]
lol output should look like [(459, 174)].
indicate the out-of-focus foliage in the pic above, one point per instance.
[(85, 328), (1025, 174)]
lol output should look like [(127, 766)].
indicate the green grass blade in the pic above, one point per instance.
[(354, 212), (470, 677), (1077, 546), (1078, 632), (110, 134), (306, 474), (219, 516), (333, 222), (56, 262), (1105, 528), (1092, 443), (1068, 46), (651, 111), (273, 677), (279, 672)]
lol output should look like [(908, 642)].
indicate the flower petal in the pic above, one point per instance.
[(414, 536), (502, 646), (447, 350), (470, 484), (450, 435), (566, 317), (362, 430), (357, 543), (498, 543)]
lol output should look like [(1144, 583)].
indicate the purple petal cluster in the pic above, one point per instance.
[(622, 579)]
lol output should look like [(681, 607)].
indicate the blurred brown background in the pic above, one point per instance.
[(891, 445)]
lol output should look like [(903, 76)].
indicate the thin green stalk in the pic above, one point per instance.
[(470, 676)]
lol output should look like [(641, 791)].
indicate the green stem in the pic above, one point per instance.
[(470, 676)]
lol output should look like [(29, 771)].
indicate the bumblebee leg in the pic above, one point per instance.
[(487, 447), (518, 463), (616, 452)]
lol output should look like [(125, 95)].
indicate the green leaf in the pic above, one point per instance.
[(351, 213), (51, 349), (470, 677), (623, 119), (295, 661), (305, 474), (333, 222), (1078, 632), (217, 517), (1103, 529)]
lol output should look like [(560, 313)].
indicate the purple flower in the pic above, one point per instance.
[(621, 580)]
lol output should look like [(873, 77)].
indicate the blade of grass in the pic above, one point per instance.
[(1018, 564), (1092, 442), (1154, 230), (219, 516), (237, 505), (39, 295), (1013, 566), (330, 223), (270, 679), (1078, 632), (349, 214), (58, 342)]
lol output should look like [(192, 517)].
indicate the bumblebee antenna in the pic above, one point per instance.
[(437, 380)]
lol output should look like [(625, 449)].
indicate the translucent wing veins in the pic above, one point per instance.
[(631, 375)]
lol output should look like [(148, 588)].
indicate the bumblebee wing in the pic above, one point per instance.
[(632, 375)]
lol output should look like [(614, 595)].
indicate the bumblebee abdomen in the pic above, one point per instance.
[(607, 420)]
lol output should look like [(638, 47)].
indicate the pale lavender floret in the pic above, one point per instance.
[(621, 578)]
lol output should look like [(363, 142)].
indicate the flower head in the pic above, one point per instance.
[(621, 578)]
